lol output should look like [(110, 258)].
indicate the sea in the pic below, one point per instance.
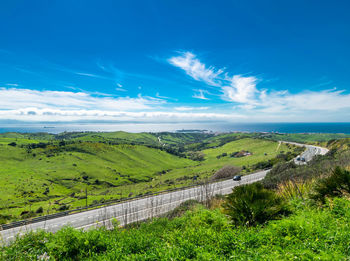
[(324, 127)]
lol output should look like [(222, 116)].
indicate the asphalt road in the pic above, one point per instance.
[(309, 153), (145, 208)]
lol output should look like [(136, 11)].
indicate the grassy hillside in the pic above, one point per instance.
[(33, 176), (56, 173), (261, 150), (119, 136)]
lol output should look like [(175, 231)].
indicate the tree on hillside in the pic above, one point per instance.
[(227, 171)]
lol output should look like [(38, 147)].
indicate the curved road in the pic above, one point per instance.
[(309, 152), (145, 208)]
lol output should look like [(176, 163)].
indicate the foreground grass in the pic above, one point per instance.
[(310, 233)]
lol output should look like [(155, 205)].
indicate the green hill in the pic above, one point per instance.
[(27, 174)]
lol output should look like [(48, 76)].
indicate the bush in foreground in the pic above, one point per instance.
[(336, 185), (252, 204)]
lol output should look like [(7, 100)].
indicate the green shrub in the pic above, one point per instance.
[(182, 208), (335, 185), (71, 244), (293, 189), (4, 218), (252, 204), (39, 210)]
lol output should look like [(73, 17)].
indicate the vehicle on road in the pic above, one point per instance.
[(237, 177)]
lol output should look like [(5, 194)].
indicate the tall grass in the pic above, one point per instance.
[(294, 189)]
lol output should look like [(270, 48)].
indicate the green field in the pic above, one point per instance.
[(56, 172)]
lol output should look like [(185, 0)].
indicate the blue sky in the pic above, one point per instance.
[(174, 61)]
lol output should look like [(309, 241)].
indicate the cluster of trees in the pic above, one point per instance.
[(280, 158), (196, 155)]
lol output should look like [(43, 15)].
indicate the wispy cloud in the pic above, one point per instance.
[(200, 94), (120, 88), (165, 97), (242, 91), (188, 62), (12, 84), (88, 74)]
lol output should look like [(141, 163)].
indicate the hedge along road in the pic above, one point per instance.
[(144, 208)]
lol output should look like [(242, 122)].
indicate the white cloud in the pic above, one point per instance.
[(35, 114), (34, 105), (194, 68), (326, 100), (13, 98), (242, 91), (236, 88), (38, 106), (200, 95), (119, 85), (187, 108)]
